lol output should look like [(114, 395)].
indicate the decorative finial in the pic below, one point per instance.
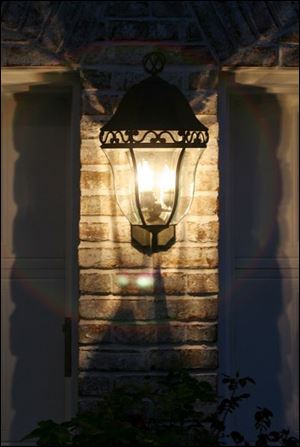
[(154, 63)]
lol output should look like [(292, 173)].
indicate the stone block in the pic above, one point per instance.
[(204, 79), (206, 180), (204, 205), (126, 9), (289, 55), (120, 231), (170, 9), (103, 359), (254, 56), (123, 256), (146, 30), (93, 231), (204, 101), (25, 55), (193, 32), (112, 360), (100, 206), (187, 257), (191, 358), (90, 127), (207, 231), (94, 282), (148, 308), (91, 153), (210, 155), (99, 104), (96, 79), (92, 182), (132, 333), (202, 282)]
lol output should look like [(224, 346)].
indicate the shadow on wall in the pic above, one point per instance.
[(134, 343), (37, 156), (256, 324)]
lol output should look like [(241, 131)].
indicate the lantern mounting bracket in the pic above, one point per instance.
[(153, 238)]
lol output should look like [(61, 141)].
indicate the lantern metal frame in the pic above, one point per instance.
[(154, 114)]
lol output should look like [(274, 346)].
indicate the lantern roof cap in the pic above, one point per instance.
[(154, 104)]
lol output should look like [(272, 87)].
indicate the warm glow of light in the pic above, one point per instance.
[(145, 177), (160, 182), (166, 181), (144, 282)]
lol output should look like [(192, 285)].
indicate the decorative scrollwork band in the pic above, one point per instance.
[(125, 138)]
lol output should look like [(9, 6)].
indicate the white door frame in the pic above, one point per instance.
[(272, 80), (22, 78)]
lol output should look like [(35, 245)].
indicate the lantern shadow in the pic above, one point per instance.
[(138, 332)]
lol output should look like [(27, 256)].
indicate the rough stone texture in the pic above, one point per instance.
[(91, 154), (96, 79), (204, 101), (291, 35), (112, 257), (133, 53), (92, 182), (204, 231), (254, 57), (95, 383), (113, 229), (95, 282), (70, 29), (207, 180), (204, 79), (93, 231), (131, 30), (169, 9), (145, 359), (289, 55), (142, 314), (187, 256), (94, 103), (145, 333), (204, 205), (148, 308), (202, 283), (99, 206), (90, 126)]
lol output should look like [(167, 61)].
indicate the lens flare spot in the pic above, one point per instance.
[(145, 282), (123, 280)]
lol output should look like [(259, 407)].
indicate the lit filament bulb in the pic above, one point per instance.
[(145, 177), (166, 185)]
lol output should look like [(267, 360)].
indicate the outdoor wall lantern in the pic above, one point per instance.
[(153, 143)]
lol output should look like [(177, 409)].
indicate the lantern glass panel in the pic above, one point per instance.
[(124, 182), (186, 182), (156, 181)]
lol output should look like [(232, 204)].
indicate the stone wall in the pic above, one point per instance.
[(141, 314)]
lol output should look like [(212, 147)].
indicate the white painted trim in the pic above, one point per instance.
[(273, 80), (21, 78), (36, 75)]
